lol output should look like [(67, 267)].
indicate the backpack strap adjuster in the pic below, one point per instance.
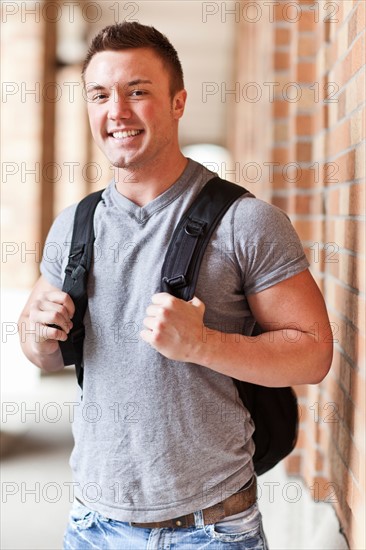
[(176, 282), (194, 228)]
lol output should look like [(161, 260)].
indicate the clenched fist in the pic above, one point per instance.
[(174, 327)]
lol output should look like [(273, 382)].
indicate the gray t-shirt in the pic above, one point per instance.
[(155, 438)]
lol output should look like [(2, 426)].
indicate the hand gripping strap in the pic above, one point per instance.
[(75, 282), (192, 234)]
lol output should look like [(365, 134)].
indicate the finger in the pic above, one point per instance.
[(154, 310), (52, 333), (58, 308), (41, 317), (196, 302), (63, 299), (149, 322), (163, 299)]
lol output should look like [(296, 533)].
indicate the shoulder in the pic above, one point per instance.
[(65, 219), (248, 205), (256, 219)]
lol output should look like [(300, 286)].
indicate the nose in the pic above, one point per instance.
[(118, 107)]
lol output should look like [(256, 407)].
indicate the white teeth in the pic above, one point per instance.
[(126, 133)]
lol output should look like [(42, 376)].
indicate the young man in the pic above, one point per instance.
[(166, 461)]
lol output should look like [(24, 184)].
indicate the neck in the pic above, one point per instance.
[(143, 184)]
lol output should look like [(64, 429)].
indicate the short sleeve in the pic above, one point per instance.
[(56, 248), (266, 244)]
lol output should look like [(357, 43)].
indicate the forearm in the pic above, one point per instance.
[(279, 358), (32, 348)]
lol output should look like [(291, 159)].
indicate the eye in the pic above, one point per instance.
[(99, 97), (137, 93)]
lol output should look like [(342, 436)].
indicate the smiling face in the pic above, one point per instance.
[(133, 118)]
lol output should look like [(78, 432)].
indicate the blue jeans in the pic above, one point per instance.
[(88, 529)]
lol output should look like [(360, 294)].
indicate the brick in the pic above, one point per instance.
[(358, 54), (284, 11), (279, 182), (304, 151), (353, 61), (361, 350), (319, 462), (332, 114), (353, 197), (330, 55), (282, 61), (339, 139), (282, 37), (342, 104), (351, 271), (357, 127), (341, 72), (309, 229), (307, 100), (287, 87), (340, 170), (333, 202), (281, 131), (306, 72), (308, 44), (361, 16), (307, 21), (342, 40), (281, 155), (338, 473), (324, 490), (293, 464), (352, 27), (281, 108), (305, 124), (359, 429), (360, 162), (308, 204)]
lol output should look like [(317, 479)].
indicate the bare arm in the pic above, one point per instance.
[(46, 305), (296, 348)]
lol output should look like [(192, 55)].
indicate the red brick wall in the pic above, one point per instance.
[(21, 145), (318, 151)]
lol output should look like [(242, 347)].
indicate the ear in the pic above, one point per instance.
[(179, 102)]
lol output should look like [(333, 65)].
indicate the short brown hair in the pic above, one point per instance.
[(123, 36)]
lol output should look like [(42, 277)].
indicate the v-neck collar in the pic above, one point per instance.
[(142, 213)]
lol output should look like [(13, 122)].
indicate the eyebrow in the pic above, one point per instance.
[(135, 82)]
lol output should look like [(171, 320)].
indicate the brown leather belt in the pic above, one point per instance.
[(236, 503)]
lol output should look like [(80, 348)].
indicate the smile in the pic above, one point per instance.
[(126, 133)]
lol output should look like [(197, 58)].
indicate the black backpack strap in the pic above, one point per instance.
[(273, 410), (192, 234), (76, 276)]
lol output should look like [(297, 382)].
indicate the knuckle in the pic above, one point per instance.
[(160, 326), (165, 314)]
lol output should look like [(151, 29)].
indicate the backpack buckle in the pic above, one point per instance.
[(176, 282), (194, 228)]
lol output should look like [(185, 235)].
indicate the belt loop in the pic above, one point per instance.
[(198, 519)]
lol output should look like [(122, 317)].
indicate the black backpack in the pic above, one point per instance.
[(274, 410)]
